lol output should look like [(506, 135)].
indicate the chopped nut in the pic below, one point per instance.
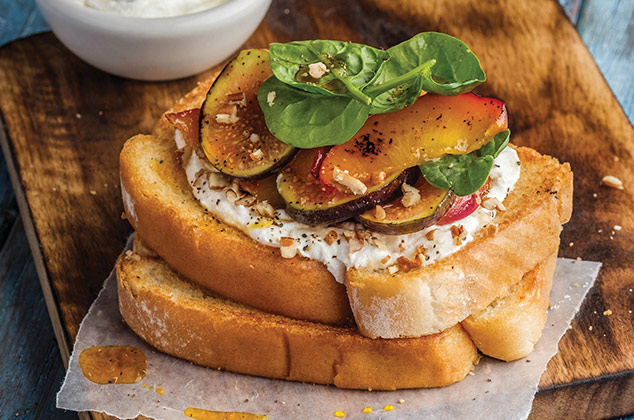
[(264, 209), (612, 182), (331, 237), (379, 244), (392, 269), (430, 235), (254, 138), (607, 312), (386, 259), (239, 99), (257, 155), (270, 97), (246, 201), (287, 247), (231, 195), (379, 213), (349, 234), (228, 118), (411, 195), (356, 186), (406, 264), (457, 233), (363, 234), (491, 203), (217, 180), (317, 70), (354, 245)]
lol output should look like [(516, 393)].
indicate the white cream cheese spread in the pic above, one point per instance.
[(151, 8), (371, 250)]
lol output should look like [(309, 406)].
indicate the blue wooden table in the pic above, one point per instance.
[(31, 367)]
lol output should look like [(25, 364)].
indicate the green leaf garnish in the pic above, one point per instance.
[(465, 174)]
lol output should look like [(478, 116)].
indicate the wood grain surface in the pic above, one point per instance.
[(66, 122)]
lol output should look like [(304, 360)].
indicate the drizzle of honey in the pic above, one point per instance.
[(113, 364), (200, 414)]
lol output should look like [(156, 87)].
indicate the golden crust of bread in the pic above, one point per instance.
[(160, 206), (434, 297), (509, 327), (178, 318)]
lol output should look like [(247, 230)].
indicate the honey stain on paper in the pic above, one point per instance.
[(113, 364)]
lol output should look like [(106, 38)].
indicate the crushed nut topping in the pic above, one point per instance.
[(264, 208), (257, 155), (430, 235), (356, 186), (392, 269), (458, 234), (331, 237), (363, 234), (317, 70), (231, 195), (254, 138), (612, 182), (379, 213), (411, 195), (217, 180), (228, 118), (378, 177), (287, 247), (246, 201), (405, 264), (354, 245), (349, 234), (379, 244), (270, 97), (386, 259), (491, 203), (239, 99)]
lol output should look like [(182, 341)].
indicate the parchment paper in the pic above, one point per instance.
[(496, 390)]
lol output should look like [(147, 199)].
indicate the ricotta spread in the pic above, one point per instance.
[(151, 8), (371, 250)]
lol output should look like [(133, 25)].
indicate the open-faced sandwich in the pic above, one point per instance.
[(329, 212)]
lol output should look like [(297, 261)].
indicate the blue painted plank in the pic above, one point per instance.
[(607, 28), (30, 365), (19, 18)]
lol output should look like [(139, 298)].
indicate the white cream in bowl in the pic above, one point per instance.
[(151, 8)]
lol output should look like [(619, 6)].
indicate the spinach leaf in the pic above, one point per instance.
[(347, 67), (456, 70), (465, 174), (307, 119)]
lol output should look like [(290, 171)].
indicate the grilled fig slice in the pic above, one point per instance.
[(307, 201), (264, 189), (233, 133), (394, 218)]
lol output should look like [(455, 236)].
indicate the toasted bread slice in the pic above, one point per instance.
[(178, 318), (434, 297), (509, 328)]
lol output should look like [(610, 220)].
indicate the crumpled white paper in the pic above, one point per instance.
[(496, 390)]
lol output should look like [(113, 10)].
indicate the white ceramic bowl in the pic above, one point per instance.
[(154, 48)]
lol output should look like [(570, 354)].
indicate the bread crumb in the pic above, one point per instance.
[(578, 258), (264, 208), (401, 401), (607, 312), (595, 195), (128, 253), (471, 373), (612, 182), (571, 244), (590, 328), (93, 192), (617, 228)]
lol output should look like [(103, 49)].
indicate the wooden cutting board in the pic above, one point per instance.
[(65, 123)]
